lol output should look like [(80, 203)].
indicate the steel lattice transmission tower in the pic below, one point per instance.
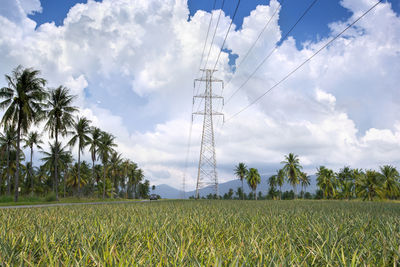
[(207, 170)]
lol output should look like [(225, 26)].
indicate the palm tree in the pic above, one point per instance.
[(23, 100), (345, 182), (240, 172), (68, 161), (84, 170), (325, 181), (59, 119), (115, 166), (292, 169), (139, 176), (125, 169), (347, 188), (94, 143), (390, 186), (105, 149), (56, 156), (81, 131), (132, 173), (304, 180), (280, 180), (272, 182), (253, 179), (32, 139), (369, 184), (8, 140)]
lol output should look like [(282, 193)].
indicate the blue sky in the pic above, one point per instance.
[(312, 27)]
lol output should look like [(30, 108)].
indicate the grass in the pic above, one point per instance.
[(204, 233), (34, 200)]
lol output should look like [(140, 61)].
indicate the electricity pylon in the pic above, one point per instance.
[(207, 170)]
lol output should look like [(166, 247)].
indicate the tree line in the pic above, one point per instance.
[(29, 105), (347, 183)]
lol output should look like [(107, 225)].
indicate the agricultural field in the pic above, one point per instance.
[(204, 233)]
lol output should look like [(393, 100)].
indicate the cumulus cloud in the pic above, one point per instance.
[(132, 65)]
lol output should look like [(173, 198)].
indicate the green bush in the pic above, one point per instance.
[(4, 199), (50, 197)]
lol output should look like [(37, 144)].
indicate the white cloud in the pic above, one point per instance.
[(132, 65)]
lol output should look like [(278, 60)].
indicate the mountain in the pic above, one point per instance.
[(166, 191)]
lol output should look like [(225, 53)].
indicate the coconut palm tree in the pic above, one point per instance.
[(23, 99), (132, 170), (115, 168), (280, 180), (105, 149), (81, 131), (94, 143), (125, 168), (59, 119), (32, 139), (68, 164), (253, 179), (56, 156), (272, 182), (390, 186), (325, 181), (85, 173), (240, 172), (139, 176), (304, 181), (292, 169), (369, 184), (8, 140)]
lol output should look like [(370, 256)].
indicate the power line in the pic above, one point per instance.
[(306, 61), (254, 43), (272, 51), (215, 31), (227, 33), (208, 31), (212, 42)]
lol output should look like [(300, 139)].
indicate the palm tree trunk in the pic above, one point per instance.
[(280, 192), (31, 169), (1, 179), (79, 170), (93, 175), (255, 194), (64, 180), (116, 184), (112, 185), (8, 171), (17, 159), (104, 181), (56, 167), (242, 190)]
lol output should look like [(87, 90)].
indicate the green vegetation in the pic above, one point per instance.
[(51, 199), (28, 105), (206, 233), (346, 184)]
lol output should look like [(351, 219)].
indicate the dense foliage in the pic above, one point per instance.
[(29, 105), (347, 183), (204, 233)]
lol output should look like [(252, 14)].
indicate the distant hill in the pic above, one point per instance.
[(166, 191)]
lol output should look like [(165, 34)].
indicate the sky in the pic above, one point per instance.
[(132, 65)]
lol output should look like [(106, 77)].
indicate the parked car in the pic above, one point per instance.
[(153, 197)]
